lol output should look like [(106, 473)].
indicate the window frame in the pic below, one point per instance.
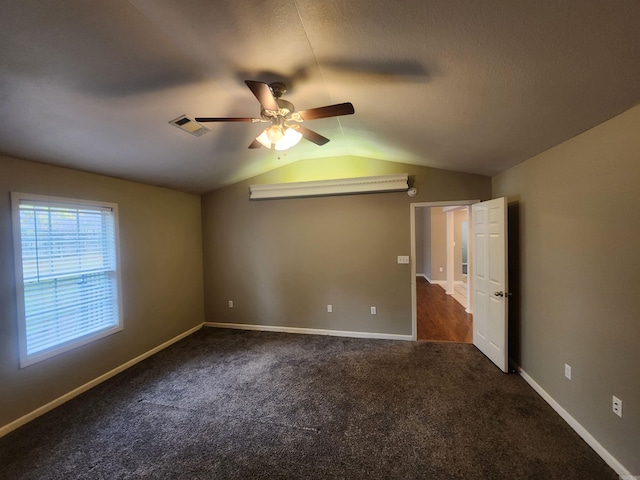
[(25, 358)]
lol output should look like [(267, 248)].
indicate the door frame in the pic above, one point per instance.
[(412, 221)]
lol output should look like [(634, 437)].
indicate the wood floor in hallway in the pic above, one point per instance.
[(440, 316)]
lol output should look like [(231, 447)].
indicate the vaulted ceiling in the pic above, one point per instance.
[(474, 86)]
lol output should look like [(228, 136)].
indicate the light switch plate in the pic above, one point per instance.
[(403, 259)]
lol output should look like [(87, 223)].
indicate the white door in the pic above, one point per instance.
[(490, 280)]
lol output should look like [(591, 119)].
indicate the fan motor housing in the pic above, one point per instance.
[(284, 105), (278, 89)]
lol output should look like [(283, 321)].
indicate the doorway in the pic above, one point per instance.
[(441, 286)]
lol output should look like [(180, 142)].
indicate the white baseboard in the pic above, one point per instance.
[(4, 430), (309, 331), (444, 282), (573, 423)]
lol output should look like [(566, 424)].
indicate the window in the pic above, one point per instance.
[(67, 273)]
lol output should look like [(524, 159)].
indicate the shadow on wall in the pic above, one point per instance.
[(515, 300)]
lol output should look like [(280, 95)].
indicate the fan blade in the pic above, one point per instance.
[(255, 144), (312, 136), (263, 94), (328, 111), (227, 119)]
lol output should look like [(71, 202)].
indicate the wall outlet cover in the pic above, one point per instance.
[(616, 406)]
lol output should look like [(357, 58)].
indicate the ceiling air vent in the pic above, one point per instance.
[(189, 125)]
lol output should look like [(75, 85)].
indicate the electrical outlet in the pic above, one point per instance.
[(567, 371), (616, 406), (373, 310), (230, 303), (441, 269), (329, 308)]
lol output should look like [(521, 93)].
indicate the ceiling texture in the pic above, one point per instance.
[(473, 86)]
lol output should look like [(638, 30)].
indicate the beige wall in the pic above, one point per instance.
[(432, 242), (576, 209), (161, 264), (437, 219), (283, 261)]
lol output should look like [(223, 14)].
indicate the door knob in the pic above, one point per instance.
[(498, 294)]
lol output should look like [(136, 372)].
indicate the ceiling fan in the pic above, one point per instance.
[(285, 130)]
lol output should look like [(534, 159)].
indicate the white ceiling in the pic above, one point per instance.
[(475, 86)]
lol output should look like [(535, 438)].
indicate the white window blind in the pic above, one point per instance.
[(69, 276)]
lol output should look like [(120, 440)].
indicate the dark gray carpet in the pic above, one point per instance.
[(236, 404)]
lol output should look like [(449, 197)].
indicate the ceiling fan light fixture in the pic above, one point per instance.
[(291, 138), (263, 139), (279, 138), (275, 133)]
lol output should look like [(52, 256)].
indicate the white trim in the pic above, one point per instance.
[(573, 423), (380, 183), (308, 331), (444, 203), (467, 276), (10, 427), (414, 296), (443, 283), (454, 208)]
